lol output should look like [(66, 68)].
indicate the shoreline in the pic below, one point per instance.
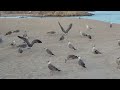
[(46, 13)]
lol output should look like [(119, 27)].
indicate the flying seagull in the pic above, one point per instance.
[(81, 63), (8, 33), (51, 32), (68, 29), (71, 57), (49, 52), (28, 43), (52, 67), (71, 46), (62, 38), (95, 51), (24, 45)]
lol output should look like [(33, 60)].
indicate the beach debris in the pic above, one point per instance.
[(49, 52), (81, 63), (28, 43), (69, 57), (71, 46), (95, 51), (52, 67), (68, 29)]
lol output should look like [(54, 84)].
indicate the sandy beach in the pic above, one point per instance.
[(32, 63)]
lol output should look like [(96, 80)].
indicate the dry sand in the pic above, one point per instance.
[(32, 63)]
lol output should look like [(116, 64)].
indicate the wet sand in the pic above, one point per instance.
[(32, 64)]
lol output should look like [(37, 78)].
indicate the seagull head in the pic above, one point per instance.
[(79, 57), (118, 40), (69, 43)]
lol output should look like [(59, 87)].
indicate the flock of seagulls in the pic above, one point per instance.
[(27, 44)]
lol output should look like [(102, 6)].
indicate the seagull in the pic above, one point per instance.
[(20, 50), (81, 63), (24, 45), (88, 27), (68, 29), (119, 42), (89, 36), (16, 31), (51, 32), (8, 33), (111, 25), (49, 52), (52, 67), (28, 43), (71, 57), (118, 61), (95, 51), (62, 38), (83, 34), (71, 46), (13, 44)]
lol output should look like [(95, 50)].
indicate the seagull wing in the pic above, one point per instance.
[(61, 38), (82, 63), (70, 26), (49, 52), (25, 40), (61, 27), (71, 46), (36, 41), (53, 68)]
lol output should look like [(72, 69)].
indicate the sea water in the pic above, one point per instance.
[(106, 16)]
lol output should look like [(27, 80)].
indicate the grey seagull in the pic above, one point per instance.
[(81, 63), (28, 43), (68, 29), (52, 67)]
